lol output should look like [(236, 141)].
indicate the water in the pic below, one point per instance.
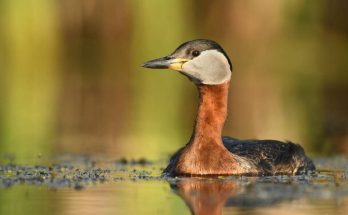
[(95, 186)]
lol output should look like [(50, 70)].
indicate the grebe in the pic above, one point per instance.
[(207, 65)]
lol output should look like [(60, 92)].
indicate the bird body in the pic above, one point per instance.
[(207, 65)]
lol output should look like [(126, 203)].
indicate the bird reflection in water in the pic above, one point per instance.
[(205, 196), (210, 195)]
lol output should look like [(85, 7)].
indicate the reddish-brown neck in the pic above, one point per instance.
[(212, 113)]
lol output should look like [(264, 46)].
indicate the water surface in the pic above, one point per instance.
[(96, 186)]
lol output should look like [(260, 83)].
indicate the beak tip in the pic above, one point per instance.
[(154, 65), (145, 65), (160, 63)]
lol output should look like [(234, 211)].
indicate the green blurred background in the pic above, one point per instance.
[(71, 81)]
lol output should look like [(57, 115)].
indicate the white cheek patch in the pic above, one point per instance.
[(210, 67)]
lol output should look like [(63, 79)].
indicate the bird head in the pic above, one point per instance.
[(202, 61)]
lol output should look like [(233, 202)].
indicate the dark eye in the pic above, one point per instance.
[(195, 53)]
